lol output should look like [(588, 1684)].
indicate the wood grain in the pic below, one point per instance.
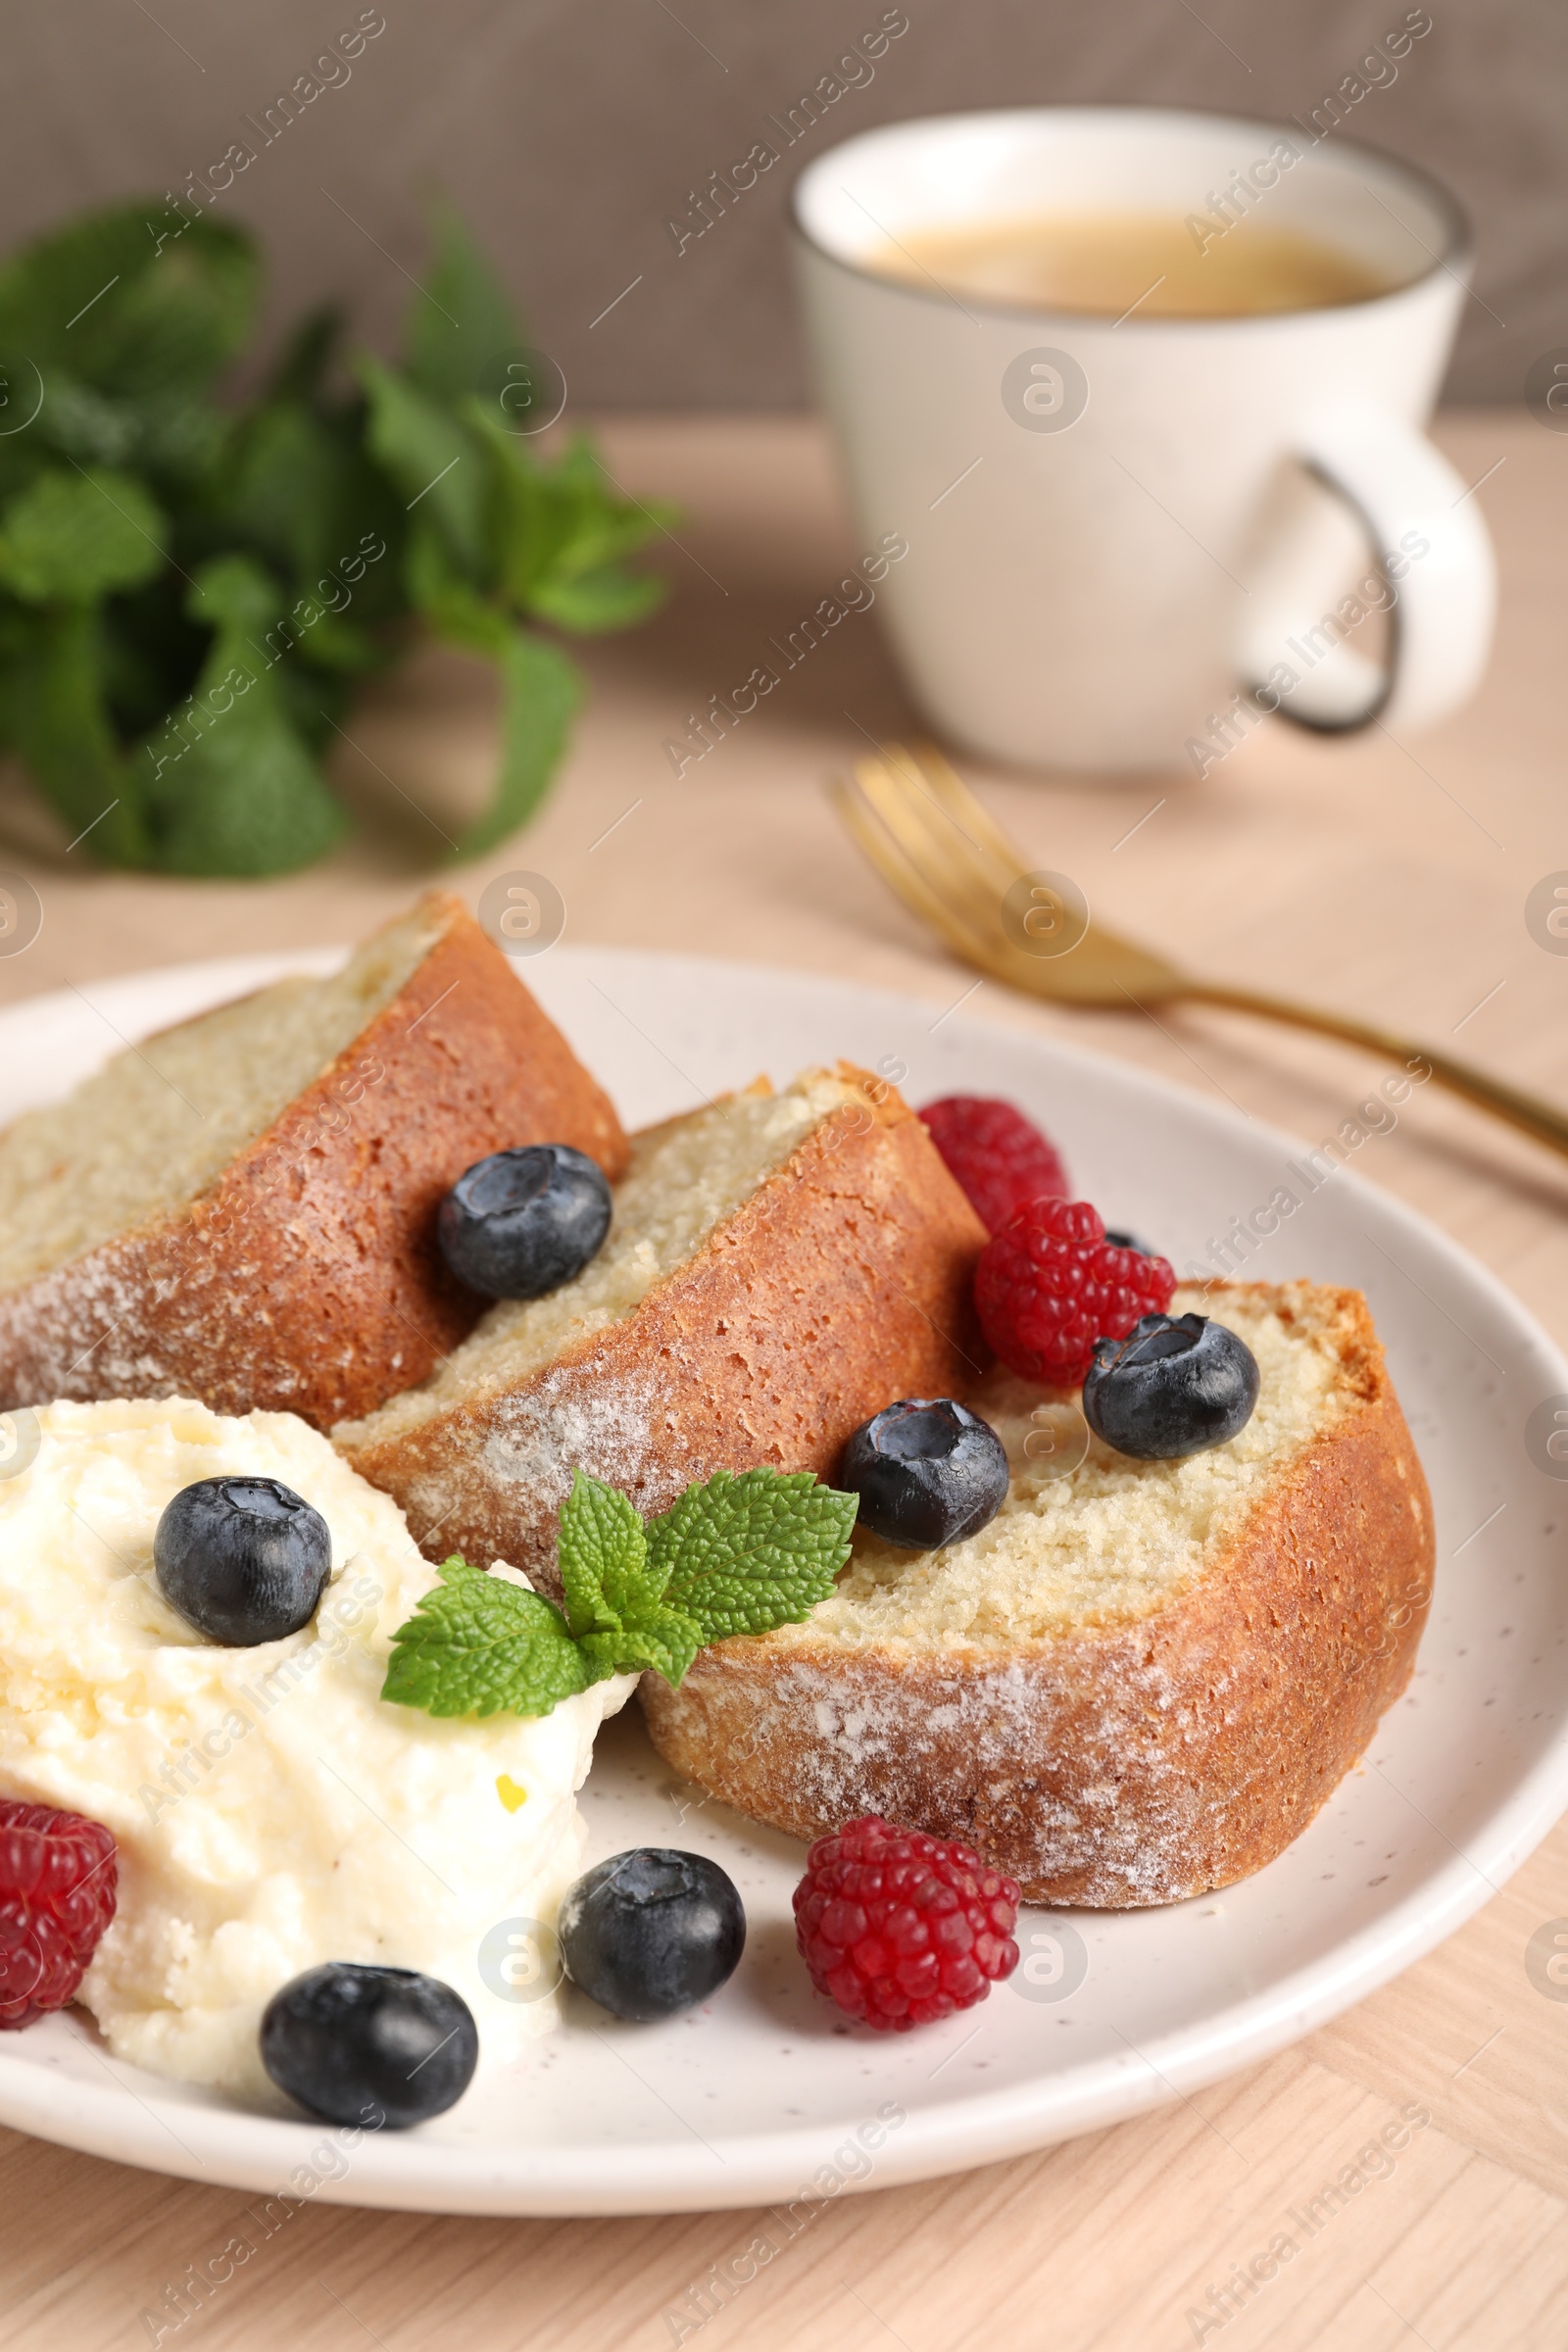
[(1387, 877)]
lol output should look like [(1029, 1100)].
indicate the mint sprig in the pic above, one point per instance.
[(740, 1555), (192, 586)]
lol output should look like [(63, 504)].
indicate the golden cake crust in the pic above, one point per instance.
[(1136, 1763), (306, 1279), (841, 1283)]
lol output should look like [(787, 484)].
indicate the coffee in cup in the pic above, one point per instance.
[(1143, 392)]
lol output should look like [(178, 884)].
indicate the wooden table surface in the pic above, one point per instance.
[(1384, 877)]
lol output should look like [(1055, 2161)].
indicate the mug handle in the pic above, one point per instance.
[(1432, 547)]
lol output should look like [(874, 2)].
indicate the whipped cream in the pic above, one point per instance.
[(271, 1811)]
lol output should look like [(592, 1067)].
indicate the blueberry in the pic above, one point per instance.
[(522, 1222), (652, 1930), (1175, 1384), (1129, 1241), (347, 2038), (242, 1560), (927, 1471)]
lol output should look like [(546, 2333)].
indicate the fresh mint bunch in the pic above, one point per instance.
[(740, 1555), (191, 589)]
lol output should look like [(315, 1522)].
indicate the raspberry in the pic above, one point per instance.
[(899, 1928), (1050, 1284), (57, 1896), (999, 1157)]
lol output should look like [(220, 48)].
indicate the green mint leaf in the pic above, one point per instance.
[(69, 538), (541, 690), (593, 603), (603, 1558), (298, 374), (532, 518), (145, 302), (300, 491), (53, 708), (605, 527), (555, 524), (478, 1645), (666, 1640), (451, 604), (463, 320), (232, 785), (177, 441), (601, 1655), (440, 470), (743, 1554)]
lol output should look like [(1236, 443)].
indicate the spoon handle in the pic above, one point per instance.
[(1542, 1120)]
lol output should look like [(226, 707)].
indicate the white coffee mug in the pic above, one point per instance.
[(1130, 537)]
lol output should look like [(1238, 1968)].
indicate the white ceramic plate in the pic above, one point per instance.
[(764, 2091)]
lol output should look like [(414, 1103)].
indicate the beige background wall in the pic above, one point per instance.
[(570, 129)]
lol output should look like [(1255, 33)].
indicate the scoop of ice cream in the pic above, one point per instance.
[(271, 1810)]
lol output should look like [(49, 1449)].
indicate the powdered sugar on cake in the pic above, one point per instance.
[(1148, 1680)]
